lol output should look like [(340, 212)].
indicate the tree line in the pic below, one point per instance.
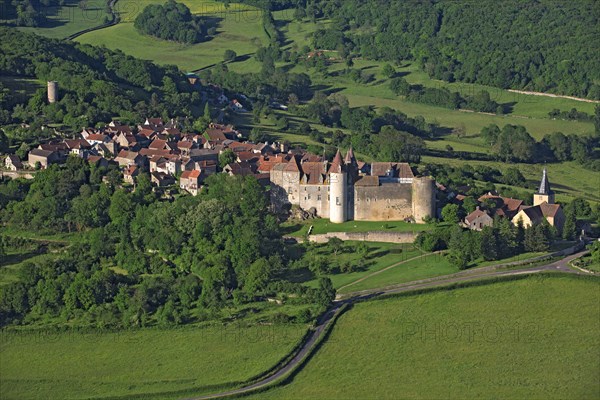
[(139, 260), (548, 48)]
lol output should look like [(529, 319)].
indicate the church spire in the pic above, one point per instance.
[(545, 184)]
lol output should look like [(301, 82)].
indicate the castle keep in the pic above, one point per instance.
[(341, 191)]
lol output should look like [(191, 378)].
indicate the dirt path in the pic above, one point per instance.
[(553, 95)]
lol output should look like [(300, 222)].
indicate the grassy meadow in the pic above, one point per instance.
[(63, 21), (534, 338), (379, 257), (427, 266), (239, 28), (149, 363)]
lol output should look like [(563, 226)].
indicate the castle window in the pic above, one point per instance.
[(309, 196), (319, 197), (319, 188), (337, 201), (289, 190)]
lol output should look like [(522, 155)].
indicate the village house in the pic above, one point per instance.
[(12, 162), (78, 147), (126, 158), (478, 219), (190, 181), (43, 157), (130, 173), (161, 179), (97, 161)]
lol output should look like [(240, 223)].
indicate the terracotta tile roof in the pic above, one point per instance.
[(292, 166), (398, 170), (474, 215), (185, 144), (314, 172), (367, 181), (158, 144), (78, 144), (42, 152), (131, 155), (154, 152), (96, 137), (247, 156), (132, 169), (53, 146), (195, 174), (549, 210)]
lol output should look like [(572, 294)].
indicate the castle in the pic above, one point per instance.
[(342, 190)]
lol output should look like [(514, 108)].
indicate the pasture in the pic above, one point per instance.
[(63, 21), (149, 363), (239, 28), (531, 338)]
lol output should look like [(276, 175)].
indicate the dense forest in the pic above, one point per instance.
[(139, 260), (171, 21), (546, 46), (95, 84)]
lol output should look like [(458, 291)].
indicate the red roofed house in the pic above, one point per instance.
[(190, 181), (478, 219), (130, 173)]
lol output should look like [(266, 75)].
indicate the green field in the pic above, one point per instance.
[(427, 266), (380, 256), (68, 19), (535, 338), (140, 362), (239, 28)]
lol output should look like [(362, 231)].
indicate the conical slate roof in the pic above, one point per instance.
[(545, 184), (350, 159), (337, 164)]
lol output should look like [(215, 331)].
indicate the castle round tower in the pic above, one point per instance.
[(52, 91), (423, 198), (338, 190)]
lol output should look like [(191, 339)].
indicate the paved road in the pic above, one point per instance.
[(323, 321)]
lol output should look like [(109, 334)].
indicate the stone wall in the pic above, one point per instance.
[(387, 202), (316, 196), (18, 174), (372, 236)]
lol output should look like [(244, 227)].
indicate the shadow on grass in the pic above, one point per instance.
[(299, 275), (377, 254), (11, 259)]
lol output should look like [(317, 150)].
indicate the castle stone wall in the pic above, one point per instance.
[(316, 196), (387, 202)]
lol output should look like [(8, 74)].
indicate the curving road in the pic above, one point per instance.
[(113, 21), (349, 298)]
